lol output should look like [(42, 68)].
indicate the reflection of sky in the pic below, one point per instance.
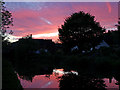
[(41, 81), (45, 17), (112, 84)]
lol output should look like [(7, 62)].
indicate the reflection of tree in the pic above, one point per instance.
[(117, 77), (28, 77), (82, 82), (47, 75)]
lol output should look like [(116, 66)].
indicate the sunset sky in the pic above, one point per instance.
[(42, 19)]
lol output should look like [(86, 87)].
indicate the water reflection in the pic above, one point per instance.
[(72, 81), (42, 81), (111, 83), (61, 79)]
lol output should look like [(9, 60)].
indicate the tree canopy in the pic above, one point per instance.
[(80, 29)]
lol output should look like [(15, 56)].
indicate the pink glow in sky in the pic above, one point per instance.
[(43, 18)]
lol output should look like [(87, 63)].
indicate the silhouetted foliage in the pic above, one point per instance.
[(118, 25), (82, 30), (10, 80), (119, 29), (6, 21), (113, 38), (117, 33), (27, 36), (108, 37)]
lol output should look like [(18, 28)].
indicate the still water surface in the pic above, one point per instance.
[(52, 81)]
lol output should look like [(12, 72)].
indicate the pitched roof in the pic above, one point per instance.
[(102, 44)]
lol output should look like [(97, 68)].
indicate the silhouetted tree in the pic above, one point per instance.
[(119, 29), (7, 70), (6, 20), (27, 36), (119, 24), (82, 30), (108, 38), (118, 32)]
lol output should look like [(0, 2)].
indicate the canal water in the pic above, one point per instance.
[(52, 80)]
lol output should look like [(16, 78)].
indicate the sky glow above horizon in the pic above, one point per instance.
[(42, 19)]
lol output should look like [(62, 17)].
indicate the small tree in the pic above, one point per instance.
[(118, 32), (82, 30), (6, 20), (119, 24)]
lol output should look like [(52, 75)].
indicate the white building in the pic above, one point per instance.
[(102, 44)]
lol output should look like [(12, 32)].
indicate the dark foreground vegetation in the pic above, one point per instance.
[(9, 77)]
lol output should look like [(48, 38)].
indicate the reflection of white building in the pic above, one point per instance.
[(102, 44), (61, 71)]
